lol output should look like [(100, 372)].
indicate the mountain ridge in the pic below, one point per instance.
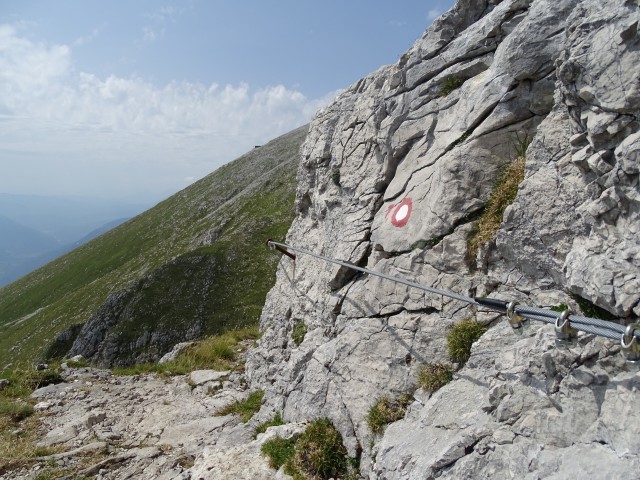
[(70, 289)]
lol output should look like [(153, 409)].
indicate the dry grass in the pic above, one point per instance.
[(503, 195), (434, 376), (462, 337), (17, 444), (387, 410), (18, 423), (218, 352)]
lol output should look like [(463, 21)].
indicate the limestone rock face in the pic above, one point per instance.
[(393, 176)]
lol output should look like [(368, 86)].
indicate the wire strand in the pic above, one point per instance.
[(594, 326)]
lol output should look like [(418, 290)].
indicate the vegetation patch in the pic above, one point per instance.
[(276, 421), (559, 308), (502, 195), (319, 451), (279, 451), (217, 352), (316, 454), (245, 408), (298, 332), (461, 338), (18, 424), (387, 410), (520, 142), (449, 85), (15, 410), (434, 376)]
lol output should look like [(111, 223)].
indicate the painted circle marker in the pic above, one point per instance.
[(402, 213)]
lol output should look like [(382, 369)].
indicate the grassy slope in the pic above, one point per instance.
[(256, 189)]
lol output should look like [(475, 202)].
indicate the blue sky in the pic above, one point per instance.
[(137, 99)]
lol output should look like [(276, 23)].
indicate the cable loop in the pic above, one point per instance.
[(631, 348), (566, 335), (629, 333), (515, 319), (564, 318)]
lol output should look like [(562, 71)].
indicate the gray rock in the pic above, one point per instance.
[(94, 418), (200, 377), (416, 167), (175, 352)]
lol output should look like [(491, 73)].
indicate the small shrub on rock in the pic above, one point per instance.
[(434, 376), (461, 338), (387, 410), (316, 454)]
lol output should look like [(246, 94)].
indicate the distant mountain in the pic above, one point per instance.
[(20, 244), (195, 264), (20, 240), (65, 218), (12, 266)]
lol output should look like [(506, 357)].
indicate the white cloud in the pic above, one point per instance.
[(87, 38), (433, 14), (149, 34), (87, 131)]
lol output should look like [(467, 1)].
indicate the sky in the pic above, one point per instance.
[(137, 99)]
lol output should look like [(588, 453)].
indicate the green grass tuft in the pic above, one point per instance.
[(502, 195), (434, 376), (217, 352), (387, 410), (461, 338), (15, 410), (520, 142), (559, 308), (298, 332), (17, 414), (319, 451), (280, 451), (245, 408), (276, 421)]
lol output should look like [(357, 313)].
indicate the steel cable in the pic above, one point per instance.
[(595, 326), (409, 283)]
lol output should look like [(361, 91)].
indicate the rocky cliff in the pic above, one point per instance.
[(393, 177)]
